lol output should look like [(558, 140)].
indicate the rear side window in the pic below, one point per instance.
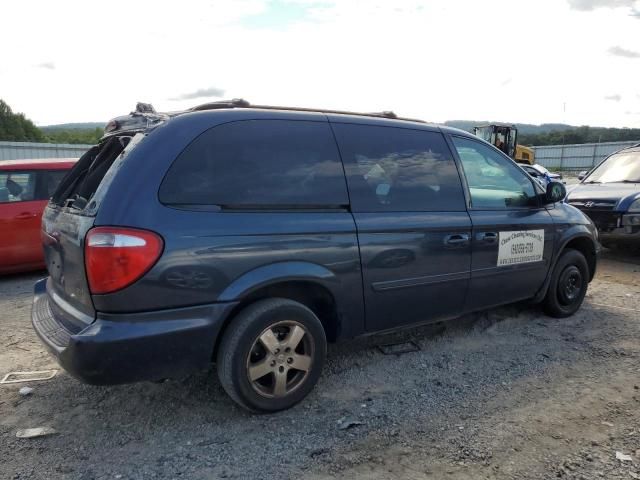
[(17, 186), (399, 169), (259, 163)]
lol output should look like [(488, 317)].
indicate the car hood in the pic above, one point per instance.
[(621, 193)]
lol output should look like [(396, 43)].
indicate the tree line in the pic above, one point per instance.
[(87, 136), (583, 134), (16, 127)]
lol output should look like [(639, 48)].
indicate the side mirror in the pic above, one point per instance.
[(582, 174), (556, 192)]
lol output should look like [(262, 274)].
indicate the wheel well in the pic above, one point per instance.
[(585, 246), (314, 296)]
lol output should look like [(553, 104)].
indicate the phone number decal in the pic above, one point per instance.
[(524, 246)]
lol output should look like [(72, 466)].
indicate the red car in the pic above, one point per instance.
[(25, 189)]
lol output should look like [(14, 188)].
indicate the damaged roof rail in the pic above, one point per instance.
[(145, 116), (142, 118)]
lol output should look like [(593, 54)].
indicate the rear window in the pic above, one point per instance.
[(51, 180), (78, 187), (259, 163)]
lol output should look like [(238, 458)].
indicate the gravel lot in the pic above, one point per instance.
[(503, 394)]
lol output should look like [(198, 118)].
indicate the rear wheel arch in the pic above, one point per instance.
[(312, 294)]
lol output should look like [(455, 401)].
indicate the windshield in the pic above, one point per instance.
[(485, 133), (620, 167)]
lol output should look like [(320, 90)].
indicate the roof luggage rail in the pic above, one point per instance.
[(145, 116), (233, 103), (385, 114), (241, 103)]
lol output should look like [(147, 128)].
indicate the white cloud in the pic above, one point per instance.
[(623, 52), (200, 93), (587, 5), (435, 60), (47, 65)]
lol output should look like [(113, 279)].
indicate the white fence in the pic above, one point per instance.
[(577, 157), (20, 150)]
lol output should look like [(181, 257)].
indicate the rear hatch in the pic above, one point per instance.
[(65, 222)]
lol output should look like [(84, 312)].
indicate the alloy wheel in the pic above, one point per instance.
[(280, 359)]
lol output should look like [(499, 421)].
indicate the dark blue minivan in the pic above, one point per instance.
[(250, 236)]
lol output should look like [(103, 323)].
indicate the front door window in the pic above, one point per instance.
[(494, 181)]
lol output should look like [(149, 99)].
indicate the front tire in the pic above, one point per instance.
[(568, 285), (271, 355)]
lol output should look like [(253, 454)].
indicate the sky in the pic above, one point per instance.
[(526, 61)]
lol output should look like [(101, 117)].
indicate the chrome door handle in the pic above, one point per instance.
[(456, 239), (487, 237)]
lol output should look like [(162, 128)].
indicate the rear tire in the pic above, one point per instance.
[(568, 285), (271, 355)]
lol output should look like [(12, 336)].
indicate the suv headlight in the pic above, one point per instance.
[(635, 206)]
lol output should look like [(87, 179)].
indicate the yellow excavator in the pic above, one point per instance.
[(505, 137)]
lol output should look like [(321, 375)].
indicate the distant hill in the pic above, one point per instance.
[(74, 126), (81, 132), (523, 128), (557, 133)]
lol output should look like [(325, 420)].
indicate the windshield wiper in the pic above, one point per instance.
[(593, 181), (629, 181)]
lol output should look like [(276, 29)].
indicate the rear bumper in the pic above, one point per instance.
[(124, 348)]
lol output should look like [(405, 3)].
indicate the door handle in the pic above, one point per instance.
[(487, 237), (456, 240), (25, 216)]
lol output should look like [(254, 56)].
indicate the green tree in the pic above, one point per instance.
[(73, 135), (16, 127)]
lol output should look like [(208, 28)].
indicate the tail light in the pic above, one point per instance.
[(116, 257)]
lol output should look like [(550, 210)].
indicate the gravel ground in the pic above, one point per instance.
[(503, 394)]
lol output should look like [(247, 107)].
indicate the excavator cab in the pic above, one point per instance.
[(505, 138)]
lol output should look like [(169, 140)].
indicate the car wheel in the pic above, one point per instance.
[(568, 285), (271, 355)]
